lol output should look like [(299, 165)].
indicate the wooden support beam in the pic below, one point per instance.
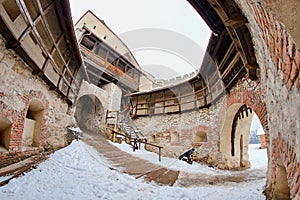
[(11, 44), (236, 22)]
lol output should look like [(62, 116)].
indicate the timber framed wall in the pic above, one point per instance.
[(41, 32), (106, 57), (181, 98), (40, 69)]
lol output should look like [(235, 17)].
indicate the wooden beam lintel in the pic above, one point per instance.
[(252, 71), (236, 22)]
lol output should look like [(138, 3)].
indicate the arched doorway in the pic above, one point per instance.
[(89, 113), (5, 129), (32, 124), (235, 134)]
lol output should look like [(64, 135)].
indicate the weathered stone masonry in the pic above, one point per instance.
[(20, 89), (279, 59), (178, 132), (247, 93), (185, 127), (274, 97)]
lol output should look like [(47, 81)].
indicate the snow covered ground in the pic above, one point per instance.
[(80, 172), (257, 157)]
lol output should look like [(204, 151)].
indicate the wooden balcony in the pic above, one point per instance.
[(42, 33)]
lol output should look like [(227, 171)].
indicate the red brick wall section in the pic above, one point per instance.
[(284, 53), (11, 156), (251, 99), (31, 95), (286, 153), (15, 153)]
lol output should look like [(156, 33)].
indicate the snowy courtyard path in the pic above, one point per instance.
[(166, 174), (126, 163), (79, 171)]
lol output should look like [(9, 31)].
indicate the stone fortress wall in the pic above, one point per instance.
[(21, 94), (164, 83), (278, 56), (202, 129), (274, 97), (27, 102)]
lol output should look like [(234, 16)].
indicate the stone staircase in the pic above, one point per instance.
[(122, 126), (121, 122), (133, 133)]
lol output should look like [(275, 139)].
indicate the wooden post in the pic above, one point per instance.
[(136, 105), (159, 154), (164, 102), (134, 143), (116, 121), (205, 96), (106, 117), (179, 100)]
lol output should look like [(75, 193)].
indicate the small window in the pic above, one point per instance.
[(112, 59), (174, 137), (32, 124), (45, 3), (100, 50), (200, 136), (282, 189), (122, 65), (88, 43), (32, 8)]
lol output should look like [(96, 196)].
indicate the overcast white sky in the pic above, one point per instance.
[(176, 16)]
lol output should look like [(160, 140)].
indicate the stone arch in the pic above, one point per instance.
[(251, 99), (33, 124), (89, 113), (240, 134), (235, 132), (5, 130), (90, 89), (228, 134)]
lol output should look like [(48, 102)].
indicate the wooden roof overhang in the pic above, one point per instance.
[(225, 17), (229, 54), (42, 33), (90, 32), (186, 96), (100, 71)]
